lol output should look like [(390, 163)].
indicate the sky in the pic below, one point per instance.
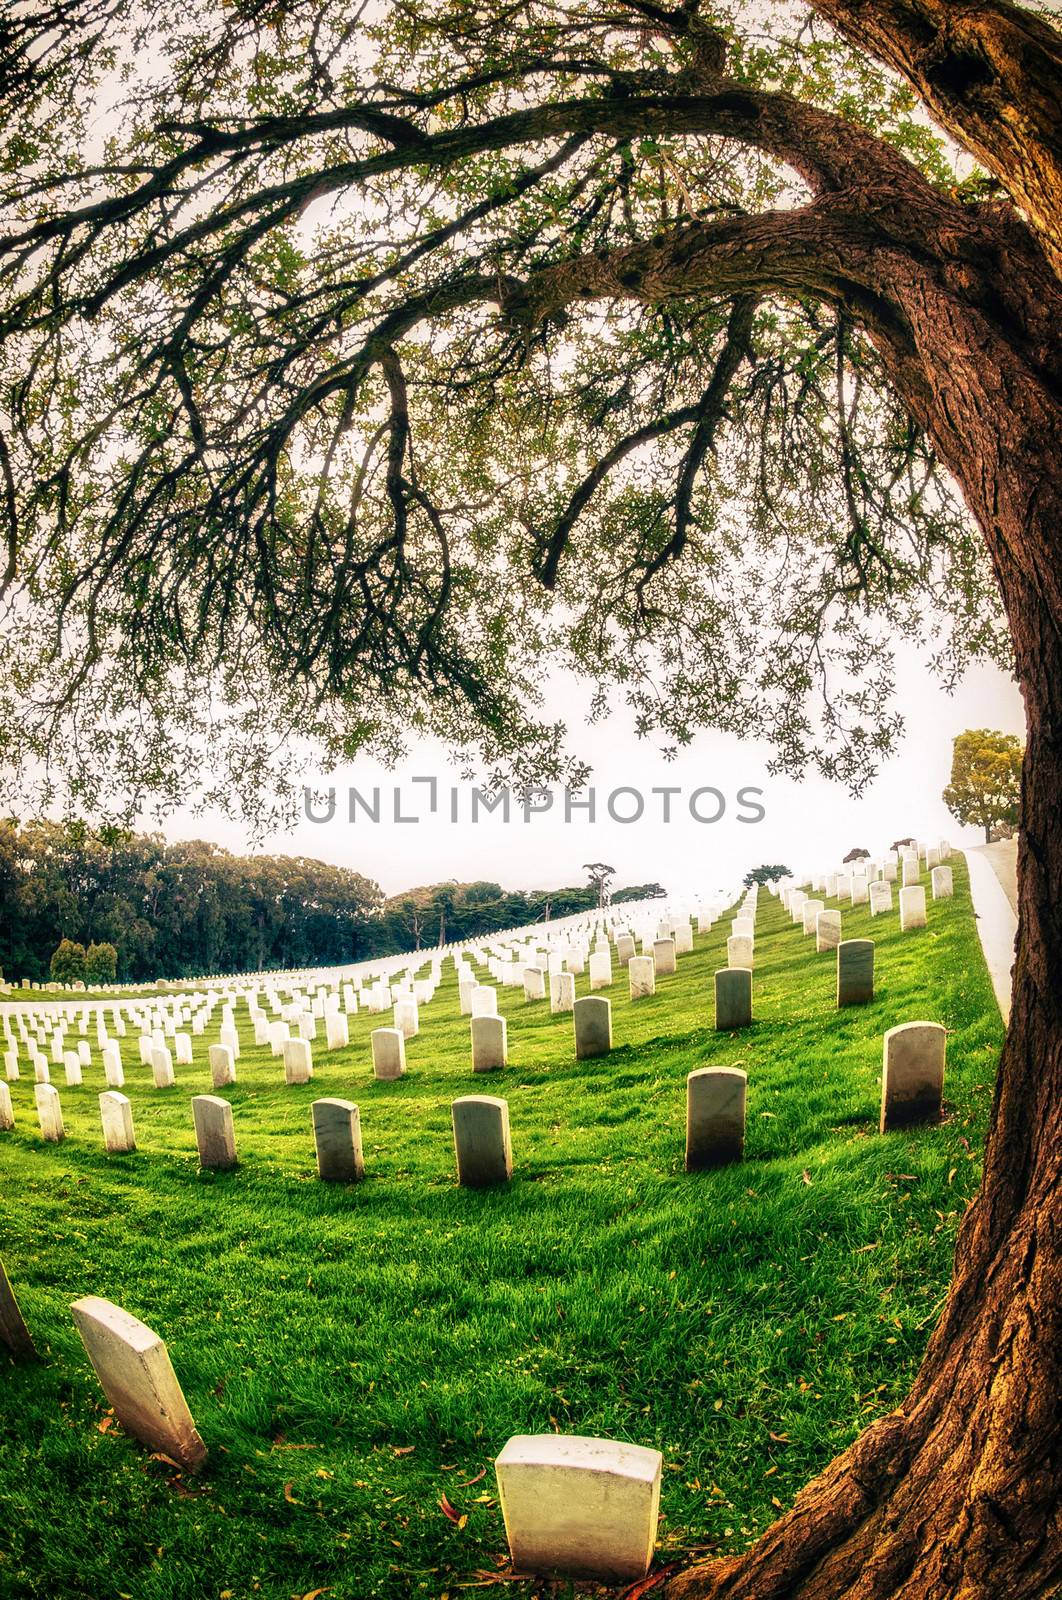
[(808, 826)]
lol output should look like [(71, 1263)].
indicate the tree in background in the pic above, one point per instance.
[(985, 787), (765, 875), (68, 962), (101, 963), (858, 854), (601, 875), (392, 357)]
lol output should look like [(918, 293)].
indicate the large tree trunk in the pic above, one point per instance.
[(958, 1494)]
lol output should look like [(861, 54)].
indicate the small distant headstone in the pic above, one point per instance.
[(855, 972), (222, 1066), (810, 911), (135, 1373), (579, 1507), (337, 1030), (484, 1000), (641, 974), (739, 951), (600, 970), (941, 880), (860, 890), (214, 1132), (162, 1067), (733, 998), (182, 1049), (13, 1330), (910, 871), (561, 992), (593, 1026), (7, 1115), (912, 1077), (407, 1018), (489, 1043), (116, 1114), (534, 983), (715, 1117), (49, 1112), (912, 908), (72, 1067), (683, 939), (481, 1140), (625, 949), (880, 897), (389, 1052), (298, 1062), (827, 930), (664, 956), (337, 1138), (112, 1065)]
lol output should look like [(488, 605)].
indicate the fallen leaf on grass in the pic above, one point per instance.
[(105, 1426), (468, 1482), (288, 1496), (315, 1594), (653, 1581), (455, 1516), (404, 1449), (806, 1175)]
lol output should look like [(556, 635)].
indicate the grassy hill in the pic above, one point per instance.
[(353, 1354)]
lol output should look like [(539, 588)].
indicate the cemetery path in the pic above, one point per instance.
[(993, 889)]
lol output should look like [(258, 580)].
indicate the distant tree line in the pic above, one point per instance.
[(177, 910)]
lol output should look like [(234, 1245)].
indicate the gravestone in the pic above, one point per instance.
[(182, 1049), (625, 949), (337, 1030), (72, 1067), (222, 1066), (214, 1133), (407, 1018), (910, 872), (860, 890), (880, 897), (136, 1375), (49, 1112), (827, 931), (481, 1140), (279, 1033), (743, 928), (464, 993), (490, 1045), (683, 939), (855, 972), (561, 992), (389, 1053), (298, 1062), (641, 974), (592, 1016), (941, 880), (484, 1000), (810, 910), (715, 1117), (912, 908), (112, 1066), (13, 1330), (733, 998), (890, 872), (7, 1115), (534, 983), (664, 957), (337, 1139), (116, 1114), (912, 1076), (600, 970), (579, 1507), (162, 1067)]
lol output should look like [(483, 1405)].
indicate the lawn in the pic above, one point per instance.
[(352, 1355)]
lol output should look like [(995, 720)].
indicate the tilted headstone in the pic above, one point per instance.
[(337, 1139), (715, 1117), (389, 1052), (733, 998), (298, 1062), (827, 931), (912, 908), (481, 1140), (116, 1115), (593, 1026), (49, 1112), (214, 1132), (13, 1330), (135, 1373), (855, 972), (641, 974), (912, 1076), (222, 1066), (579, 1507)]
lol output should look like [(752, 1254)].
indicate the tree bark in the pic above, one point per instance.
[(957, 1495)]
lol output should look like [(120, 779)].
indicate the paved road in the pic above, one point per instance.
[(993, 889)]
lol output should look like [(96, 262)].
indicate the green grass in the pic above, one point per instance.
[(351, 1354)]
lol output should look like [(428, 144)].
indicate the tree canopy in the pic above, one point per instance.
[(364, 366), (985, 787)]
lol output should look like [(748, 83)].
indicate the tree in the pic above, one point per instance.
[(680, 317), (68, 962), (856, 855), (985, 787), (765, 875), (601, 875), (101, 963)]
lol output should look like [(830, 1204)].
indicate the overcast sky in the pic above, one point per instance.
[(806, 825)]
